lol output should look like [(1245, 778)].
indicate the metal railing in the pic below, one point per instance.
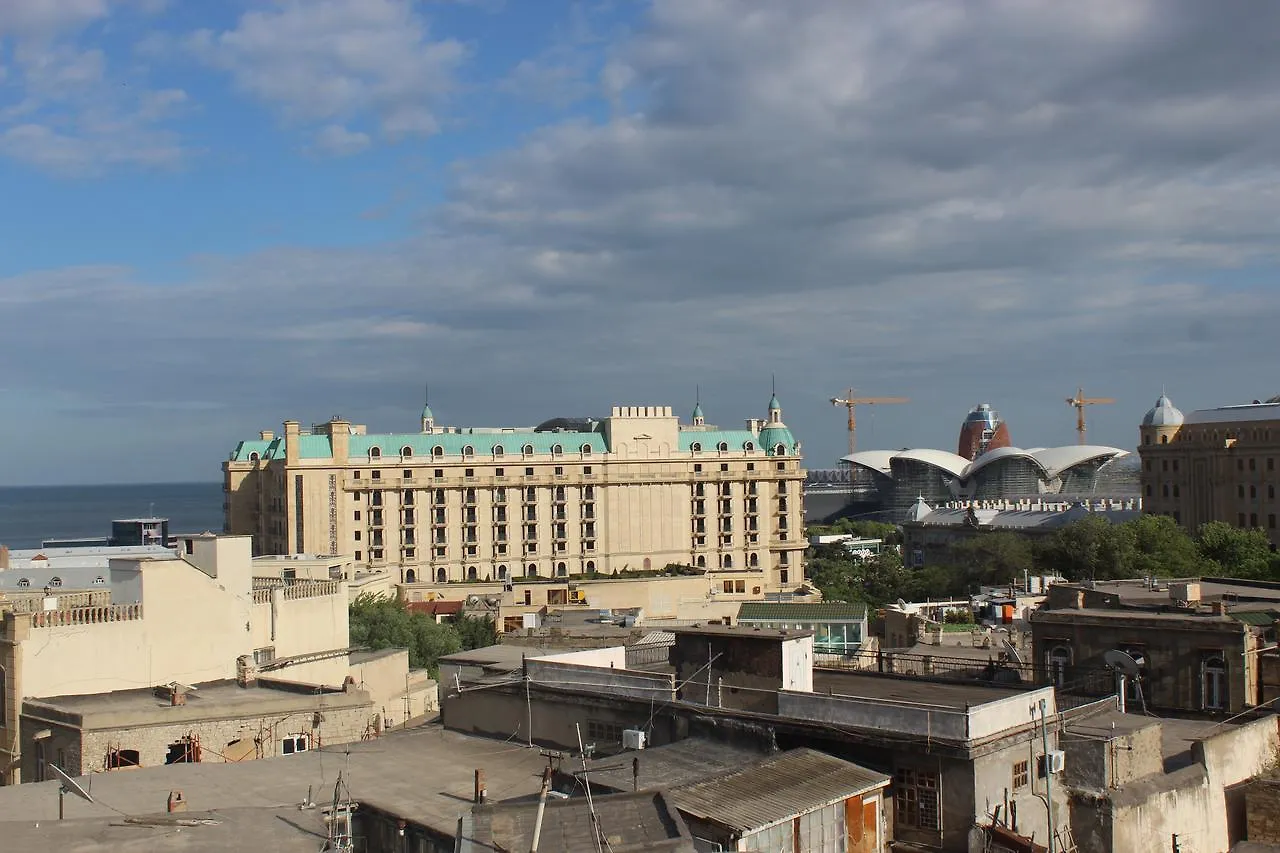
[(998, 668)]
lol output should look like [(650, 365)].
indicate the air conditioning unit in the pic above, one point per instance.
[(1054, 761), (633, 739)]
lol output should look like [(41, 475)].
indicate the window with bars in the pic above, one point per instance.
[(603, 731), (916, 799), (1021, 774)]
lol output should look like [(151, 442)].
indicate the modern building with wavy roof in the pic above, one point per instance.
[(937, 476), (636, 490)]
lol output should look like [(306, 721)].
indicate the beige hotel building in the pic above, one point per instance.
[(637, 490)]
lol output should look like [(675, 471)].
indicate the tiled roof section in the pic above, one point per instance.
[(775, 789), (771, 611), (1255, 618), (709, 440)]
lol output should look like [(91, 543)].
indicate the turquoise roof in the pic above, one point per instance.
[(710, 439), (426, 413), (482, 444), (771, 437), (773, 403), (697, 411), (246, 448)]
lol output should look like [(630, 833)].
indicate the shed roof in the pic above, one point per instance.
[(777, 611), (775, 789)]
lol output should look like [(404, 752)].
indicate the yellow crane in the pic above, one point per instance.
[(849, 402), (1079, 401)]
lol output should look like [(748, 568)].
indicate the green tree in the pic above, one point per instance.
[(476, 632), (993, 558), (380, 622), (1233, 552), (1089, 548), (1162, 548)]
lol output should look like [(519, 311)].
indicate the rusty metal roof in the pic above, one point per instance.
[(775, 789)]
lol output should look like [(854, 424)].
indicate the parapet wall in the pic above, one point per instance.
[(617, 681)]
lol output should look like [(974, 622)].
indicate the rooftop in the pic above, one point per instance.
[(775, 789), (740, 631), (670, 766), (424, 775), (920, 691), (632, 822), (769, 611)]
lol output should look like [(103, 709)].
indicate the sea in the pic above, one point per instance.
[(31, 514)]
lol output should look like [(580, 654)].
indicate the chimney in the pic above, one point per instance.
[(177, 695), (1218, 608), (481, 792), (177, 802), (246, 671), (266, 435)]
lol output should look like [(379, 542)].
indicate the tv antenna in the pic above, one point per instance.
[(69, 786), (1126, 666)]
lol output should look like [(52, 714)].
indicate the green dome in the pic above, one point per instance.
[(697, 411), (771, 437), (773, 403), (426, 414)]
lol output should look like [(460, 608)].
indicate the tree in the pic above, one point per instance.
[(476, 632), (993, 558), (1089, 548), (1162, 548), (1233, 552), (380, 622)]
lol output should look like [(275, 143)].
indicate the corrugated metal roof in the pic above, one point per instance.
[(1257, 618), (775, 789), (776, 611)]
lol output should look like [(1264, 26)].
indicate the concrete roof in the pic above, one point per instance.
[(741, 632), (424, 775), (219, 700), (280, 829), (906, 689), (1136, 590), (632, 822), (500, 655)]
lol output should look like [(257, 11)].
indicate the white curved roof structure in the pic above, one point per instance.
[(876, 460), (952, 463), (1000, 453), (1055, 460)]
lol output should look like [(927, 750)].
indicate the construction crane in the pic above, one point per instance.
[(849, 402), (1079, 401)]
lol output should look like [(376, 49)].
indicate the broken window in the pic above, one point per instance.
[(120, 758), (916, 799)]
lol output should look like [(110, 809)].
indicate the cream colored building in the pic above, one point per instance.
[(635, 491), (190, 617), (1213, 465)]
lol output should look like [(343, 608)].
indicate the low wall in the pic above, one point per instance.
[(611, 657), (901, 717), (617, 681)]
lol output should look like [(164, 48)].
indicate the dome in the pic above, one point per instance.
[(697, 411), (1164, 414), (771, 436)]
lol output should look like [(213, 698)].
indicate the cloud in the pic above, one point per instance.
[(337, 141), (337, 61), (956, 203)]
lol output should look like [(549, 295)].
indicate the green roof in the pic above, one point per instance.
[(771, 437), (709, 440), (1256, 618), (774, 404), (774, 611), (697, 410)]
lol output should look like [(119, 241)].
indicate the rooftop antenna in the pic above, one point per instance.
[(69, 786), (341, 836)]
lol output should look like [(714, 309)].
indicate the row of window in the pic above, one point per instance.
[(1213, 674), (1186, 436), (55, 582)]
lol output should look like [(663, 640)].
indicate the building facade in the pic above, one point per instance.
[(1213, 465), (635, 491)]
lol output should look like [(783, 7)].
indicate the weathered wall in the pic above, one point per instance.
[(1262, 807), (1099, 763), (612, 656), (736, 670), (638, 684), (993, 785), (902, 717), (1145, 815), (1230, 758)]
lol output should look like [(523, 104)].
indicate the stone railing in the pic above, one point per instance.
[(293, 589), (34, 602), (87, 616), (262, 595)]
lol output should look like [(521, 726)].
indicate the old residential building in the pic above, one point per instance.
[(1204, 645), (1213, 465), (635, 491)]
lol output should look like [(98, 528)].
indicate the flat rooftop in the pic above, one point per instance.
[(144, 706), (1136, 591), (424, 775), (278, 829), (670, 766), (740, 631), (940, 694)]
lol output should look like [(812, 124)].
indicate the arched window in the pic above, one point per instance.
[(749, 446), (753, 561), (468, 451), (442, 576), (471, 573), (406, 451), (1213, 683), (99, 581), (502, 573), (410, 576), (586, 450), (701, 562), (561, 569), (556, 450), (527, 450), (1164, 439), (254, 457), (726, 562), (591, 565), (1057, 661), (722, 446), (779, 450), (24, 582), (55, 581), (531, 571), (696, 447), (648, 564), (437, 452), (375, 452), (498, 450)]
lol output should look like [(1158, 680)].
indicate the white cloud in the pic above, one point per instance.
[(335, 140), (337, 61)]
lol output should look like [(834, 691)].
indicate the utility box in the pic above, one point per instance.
[(633, 739), (1053, 762)]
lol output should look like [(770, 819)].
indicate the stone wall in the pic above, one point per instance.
[(1262, 811)]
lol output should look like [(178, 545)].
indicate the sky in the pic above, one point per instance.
[(220, 216)]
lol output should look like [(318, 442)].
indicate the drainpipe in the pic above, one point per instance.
[(1048, 776)]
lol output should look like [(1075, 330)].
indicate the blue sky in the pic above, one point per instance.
[(223, 215)]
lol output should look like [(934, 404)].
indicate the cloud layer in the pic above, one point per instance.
[(957, 202)]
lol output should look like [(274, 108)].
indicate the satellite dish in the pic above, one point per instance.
[(69, 785), (1124, 663), (1012, 651), (902, 605)]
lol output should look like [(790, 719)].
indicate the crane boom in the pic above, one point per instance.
[(850, 402), (1078, 402)]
